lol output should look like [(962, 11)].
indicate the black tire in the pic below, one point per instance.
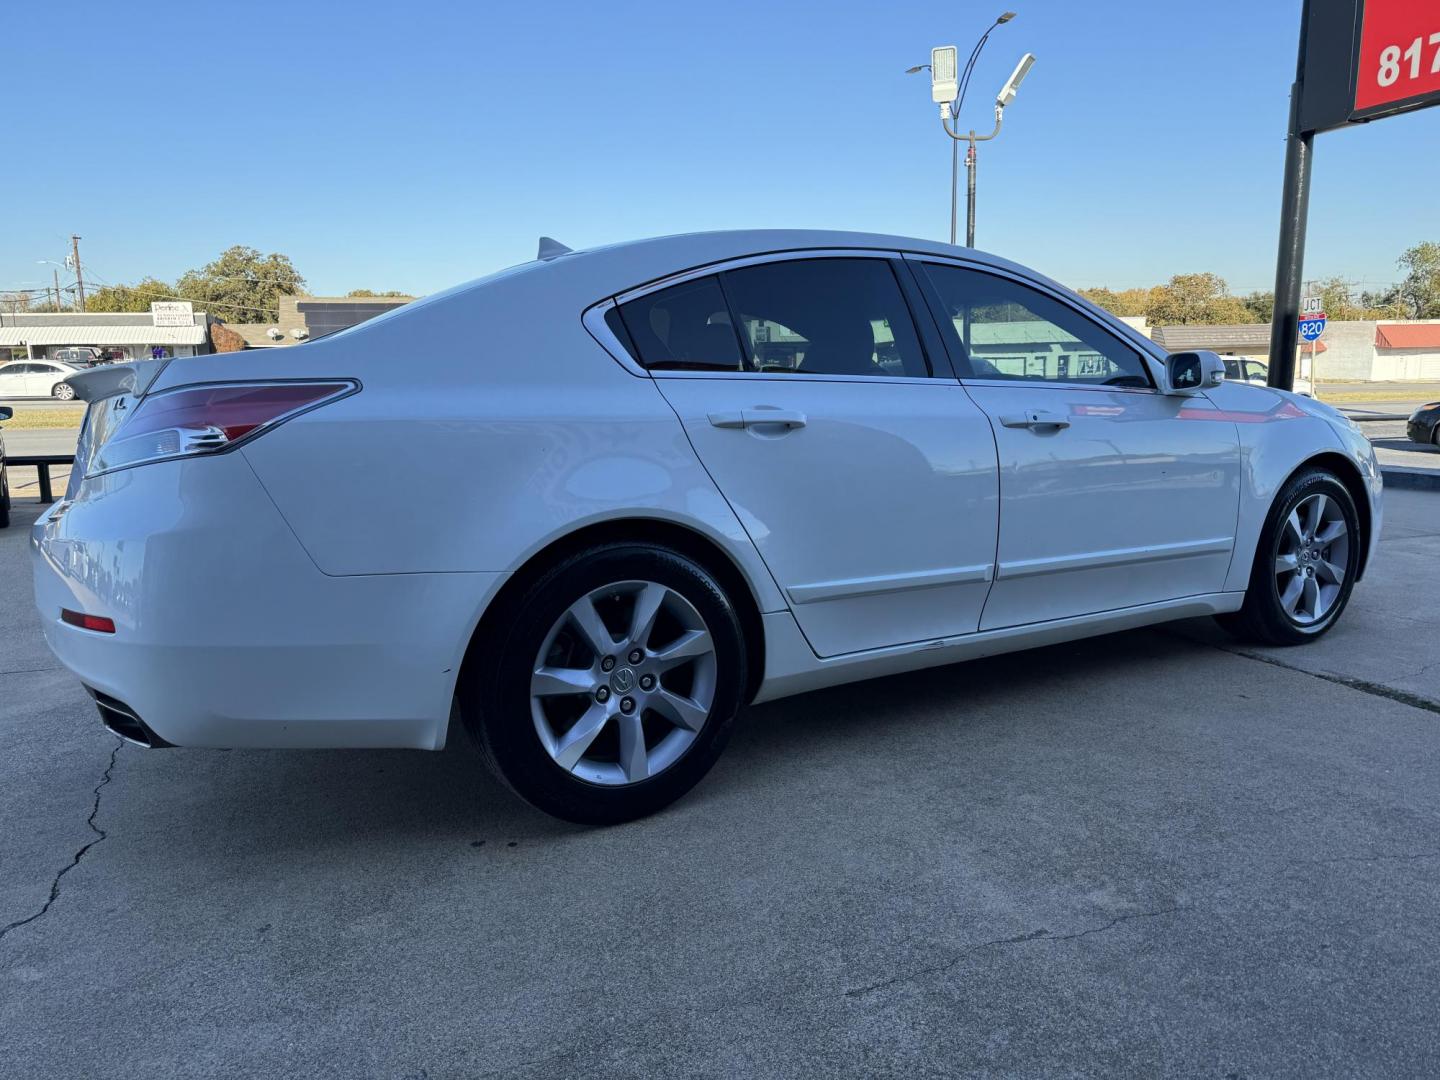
[(1263, 617), (4, 497), (494, 689), (63, 392)]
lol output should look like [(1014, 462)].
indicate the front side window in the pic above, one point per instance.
[(1007, 330), (824, 317)]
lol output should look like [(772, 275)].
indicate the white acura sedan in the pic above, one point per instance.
[(664, 479)]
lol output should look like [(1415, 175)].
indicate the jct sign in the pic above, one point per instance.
[(1399, 52)]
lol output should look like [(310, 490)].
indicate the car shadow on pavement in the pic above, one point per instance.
[(294, 804)]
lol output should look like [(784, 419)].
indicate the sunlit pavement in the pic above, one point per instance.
[(1157, 853)]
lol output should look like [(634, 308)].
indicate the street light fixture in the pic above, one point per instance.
[(949, 93)]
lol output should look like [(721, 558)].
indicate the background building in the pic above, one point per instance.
[(305, 317), (121, 336), (1360, 350)]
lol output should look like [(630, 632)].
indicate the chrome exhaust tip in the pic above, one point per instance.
[(119, 719)]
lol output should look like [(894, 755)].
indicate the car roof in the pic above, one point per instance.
[(578, 279)]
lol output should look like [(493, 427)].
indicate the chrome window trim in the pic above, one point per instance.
[(775, 376), (1150, 354), (593, 319)]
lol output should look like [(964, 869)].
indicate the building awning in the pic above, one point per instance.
[(1407, 336), (90, 334)]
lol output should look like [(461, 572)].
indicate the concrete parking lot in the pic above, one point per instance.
[(1156, 853)]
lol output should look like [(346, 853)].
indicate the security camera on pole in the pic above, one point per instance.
[(947, 89)]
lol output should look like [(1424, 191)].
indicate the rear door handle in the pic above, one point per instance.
[(764, 414), (1035, 420), (757, 416)]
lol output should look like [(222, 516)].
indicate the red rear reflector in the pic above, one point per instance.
[(98, 623)]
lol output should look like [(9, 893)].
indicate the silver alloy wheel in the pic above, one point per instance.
[(64, 392), (623, 683), (1310, 559)]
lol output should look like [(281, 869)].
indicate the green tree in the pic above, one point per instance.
[(1201, 299), (128, 297), (1420, 291), (242, 285), (358, 293), (1260, 305), (1123, 302)]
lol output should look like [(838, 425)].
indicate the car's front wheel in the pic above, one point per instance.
[(608, 689), (63, 391), (1305, 563)]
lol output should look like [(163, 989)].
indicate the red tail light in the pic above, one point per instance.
[(205, 419), (98, 623)]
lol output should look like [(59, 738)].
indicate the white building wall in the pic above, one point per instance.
[(1406, 364)]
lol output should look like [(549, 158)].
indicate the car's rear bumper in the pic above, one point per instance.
[(1420, 432), (226, 634)]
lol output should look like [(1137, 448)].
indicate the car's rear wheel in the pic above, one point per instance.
[(609, 688), (1305, 563), (63, 391)]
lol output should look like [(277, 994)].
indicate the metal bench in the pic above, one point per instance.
[(41, 464)]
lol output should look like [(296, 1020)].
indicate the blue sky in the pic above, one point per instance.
[(416, 146)]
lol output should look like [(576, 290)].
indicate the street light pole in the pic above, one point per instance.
[(1006, 95), (950, 108)]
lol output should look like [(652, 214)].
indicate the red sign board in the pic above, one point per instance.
[(1399, 52)]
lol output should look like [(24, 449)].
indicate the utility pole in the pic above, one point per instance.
[(79, 276), (55, 274)]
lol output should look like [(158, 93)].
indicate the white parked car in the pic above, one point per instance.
[(1257, 373), (662, 480), (37, 378)]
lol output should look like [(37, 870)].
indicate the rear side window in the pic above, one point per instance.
[(683, 328), (825, 317)]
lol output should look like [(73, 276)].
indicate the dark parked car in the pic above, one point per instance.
[(1424, 426), (5, 413)]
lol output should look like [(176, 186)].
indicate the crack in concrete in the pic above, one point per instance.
[(100, 834), (1365, 686), (1033, 935), (31, 670)]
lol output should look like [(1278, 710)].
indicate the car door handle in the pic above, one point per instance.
[(757, 416), (764, 414), (1034, 420)]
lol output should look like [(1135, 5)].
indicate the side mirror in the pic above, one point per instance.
[(6, 412), (1191, 372)]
